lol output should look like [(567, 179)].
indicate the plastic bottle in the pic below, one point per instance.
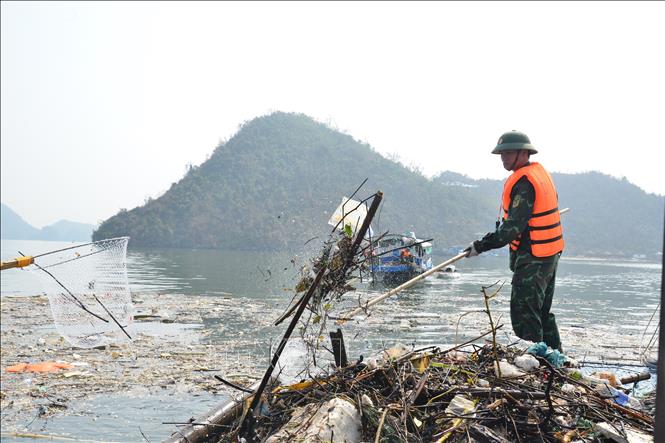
[(619, 397), (607, 391)]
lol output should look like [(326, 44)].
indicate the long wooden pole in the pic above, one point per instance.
[(19, 262), (659, 433), (407, 284), (401, 287)]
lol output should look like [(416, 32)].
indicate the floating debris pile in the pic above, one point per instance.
[(470, 392), (452, 395)]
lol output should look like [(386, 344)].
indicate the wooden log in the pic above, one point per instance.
[(635, 378)]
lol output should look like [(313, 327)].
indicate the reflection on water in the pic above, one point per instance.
[(201, 272), (211, 272)]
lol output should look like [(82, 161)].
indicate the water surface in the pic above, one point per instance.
[(602, 307)]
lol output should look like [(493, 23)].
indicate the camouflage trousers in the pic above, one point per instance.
[(531, 301)]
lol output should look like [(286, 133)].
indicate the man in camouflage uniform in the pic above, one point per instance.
[(533, 277)]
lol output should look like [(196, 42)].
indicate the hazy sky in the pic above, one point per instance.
[(104, 104)]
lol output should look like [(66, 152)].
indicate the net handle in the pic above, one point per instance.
[(80, 246)]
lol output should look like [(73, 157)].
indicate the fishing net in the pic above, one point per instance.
[(88, 291), (649, 340)]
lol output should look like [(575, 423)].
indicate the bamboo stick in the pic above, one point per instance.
[(400, 288)]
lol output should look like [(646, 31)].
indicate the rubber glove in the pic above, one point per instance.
[(471, 250)]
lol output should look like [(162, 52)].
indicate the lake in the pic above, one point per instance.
[(603, 308)]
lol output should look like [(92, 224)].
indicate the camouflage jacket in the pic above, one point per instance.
[(522, 198)]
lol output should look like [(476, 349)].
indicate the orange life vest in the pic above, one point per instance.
[(545, 222)]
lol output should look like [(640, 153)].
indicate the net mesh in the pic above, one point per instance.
[(88, 291)]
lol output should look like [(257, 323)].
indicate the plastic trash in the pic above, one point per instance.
[(571, 363), (634, 403), (588, 379), (460, 405), (45, 366), (395, 352), (556, 358), (507, 370), (482, 383), (619, 397), (632, 435), (372, 362), (609, 376), (338, 418), (539, 349), (527, 362), (568, 388)]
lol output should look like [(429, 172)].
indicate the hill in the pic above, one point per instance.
[(12, 226), (15, 228), (66, 230), (273, 185)]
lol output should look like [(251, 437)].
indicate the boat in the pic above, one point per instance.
[(398, 258)]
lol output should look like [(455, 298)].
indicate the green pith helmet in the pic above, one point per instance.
[(514, 141)]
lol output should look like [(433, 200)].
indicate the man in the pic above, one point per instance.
[(530, 224)]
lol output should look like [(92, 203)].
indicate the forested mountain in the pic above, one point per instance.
[(14, 227), (610, 215), (275, 183)]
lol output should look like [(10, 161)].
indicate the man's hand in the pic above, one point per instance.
[(471, 250)]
